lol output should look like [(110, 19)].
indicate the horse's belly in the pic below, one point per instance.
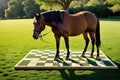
[(77, 30), (75, 33)]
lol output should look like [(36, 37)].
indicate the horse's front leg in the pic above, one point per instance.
[(67, 47), (57, 38)]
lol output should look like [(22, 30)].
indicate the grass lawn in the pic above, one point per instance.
[(16, 41)]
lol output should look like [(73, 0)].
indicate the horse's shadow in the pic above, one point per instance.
[(105, 74)]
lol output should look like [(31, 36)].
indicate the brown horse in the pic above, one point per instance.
[(65, 25)]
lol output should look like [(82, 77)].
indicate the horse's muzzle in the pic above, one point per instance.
[(35, 37)]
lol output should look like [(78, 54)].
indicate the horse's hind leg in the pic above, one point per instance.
[(57, 37), (97, 52), (87, 42), (92, 36), (67, 47)]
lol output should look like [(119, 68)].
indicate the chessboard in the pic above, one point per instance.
[(44, 59)]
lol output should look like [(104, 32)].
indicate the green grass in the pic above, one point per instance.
[(16, 41)]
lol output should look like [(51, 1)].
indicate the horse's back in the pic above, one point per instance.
[(81, 22), (91, 20), (76, 24)]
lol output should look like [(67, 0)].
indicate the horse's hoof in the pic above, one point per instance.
[(67, 58), (98, 58), (56, 59), (91, 56), (83, 55)]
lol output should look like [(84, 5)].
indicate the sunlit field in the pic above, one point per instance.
[(16, 41)]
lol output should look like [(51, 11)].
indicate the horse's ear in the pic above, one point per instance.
[(34, 14)]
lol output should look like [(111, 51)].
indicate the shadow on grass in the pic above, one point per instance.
[(104, 74), (98, 75)]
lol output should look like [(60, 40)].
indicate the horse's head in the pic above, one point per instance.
[(39, 25)]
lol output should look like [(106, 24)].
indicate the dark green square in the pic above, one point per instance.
[(42, 58), (92, 62), (36, 56), (55, 64), (30, 56), (84, 64), (40, 64), (24, 62), (49, 61), (108, 63), (51, 56)]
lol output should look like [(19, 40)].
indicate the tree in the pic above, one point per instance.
[(3, 6), (15, 9), (95, 2), (115, 3), (64, 4), (30, 7)]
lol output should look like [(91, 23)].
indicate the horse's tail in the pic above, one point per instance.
[(97, 33)]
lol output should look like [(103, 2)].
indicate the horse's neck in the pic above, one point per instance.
[(53, 24)]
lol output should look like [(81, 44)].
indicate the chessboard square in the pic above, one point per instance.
[(66, 64), (81, 62), (52, 52), (42, 61), (51, 56), (34, 51), (74, 56), (48, 64), (62, 51), (108, 63), (31, 64), (36, 56), (52, 59), (24, 62), (68, 61), (84, 64), (30, 56), (40, 64), (44, 56), (40, 52), (46, 51), (92, 62), (75, 65), (102, 57), (100, 63), (49, 61), (55, 64), (76, 59), (35, 59), (60, 64)]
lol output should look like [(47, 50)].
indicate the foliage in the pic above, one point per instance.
[(95, 2), (100, 10), (25, 8), (51, 4), (29, 7), (3, 6), (115, 3), (48, 4), (15, 9)]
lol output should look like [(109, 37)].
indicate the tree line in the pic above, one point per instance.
[(25, 8)]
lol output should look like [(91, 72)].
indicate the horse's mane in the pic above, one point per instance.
[(53, 16)]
